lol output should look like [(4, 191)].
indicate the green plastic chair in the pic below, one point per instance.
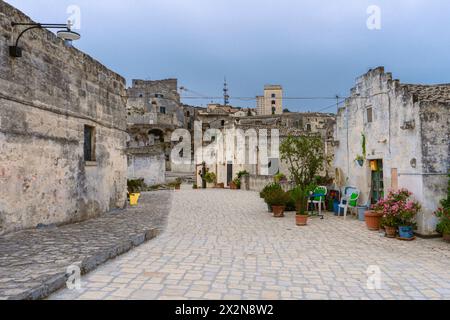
[(349, 201), (319, 200)]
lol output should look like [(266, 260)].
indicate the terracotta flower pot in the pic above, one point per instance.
[(301, 220), (233, 186), (278, 211), (446, 237), (373, 220), (391, 232), (177, 187)]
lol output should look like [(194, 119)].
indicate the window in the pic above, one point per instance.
[(273, 110), (369, 115), (308, 127), (89, 143), (223, 123), (140, 96), (162, 110), (159, 95), (274, 95)]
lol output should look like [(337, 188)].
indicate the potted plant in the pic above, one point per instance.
[(390, 224), (279, 177), (299, 194), (373, 219), (306, 158), (194, 186), (277, 199), (235, 184), (360, 160), (407, 215), (210, 178), (443, 214), (397, 212), (177, 184), (267, 190), (443, 225)]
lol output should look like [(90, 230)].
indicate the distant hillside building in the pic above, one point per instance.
[(271, 102)]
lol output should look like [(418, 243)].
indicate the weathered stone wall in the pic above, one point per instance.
[(414, 150), (46, 98), (150, 167)]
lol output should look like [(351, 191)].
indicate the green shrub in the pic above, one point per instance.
[(277, 198), (242, 173), (210, 177), (270, 187), (279, 177), (136, 185), (237, 182)]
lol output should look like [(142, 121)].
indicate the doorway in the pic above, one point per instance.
[(229, 173), (377, 180)]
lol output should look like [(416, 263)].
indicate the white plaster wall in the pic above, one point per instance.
[(151, 168)]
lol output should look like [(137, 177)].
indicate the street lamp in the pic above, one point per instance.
[(65, 34)]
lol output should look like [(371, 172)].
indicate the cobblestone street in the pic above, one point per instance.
[(33, 262), (222, 244)]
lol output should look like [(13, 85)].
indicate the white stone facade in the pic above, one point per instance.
[(407, 128)]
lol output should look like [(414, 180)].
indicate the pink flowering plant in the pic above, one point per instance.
[(398, 209)]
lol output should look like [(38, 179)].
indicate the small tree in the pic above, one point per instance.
[(305, 158)]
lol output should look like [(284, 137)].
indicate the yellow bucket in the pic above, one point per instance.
[(134, 197)]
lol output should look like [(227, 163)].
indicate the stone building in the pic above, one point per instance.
[(271, 102), (294, 124), (62, 131), (404, 130), (155, 111)]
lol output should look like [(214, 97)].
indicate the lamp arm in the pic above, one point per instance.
[(21, 34), (37, 26)]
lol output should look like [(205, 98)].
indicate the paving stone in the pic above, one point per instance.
[(225, 245), (33, 263)]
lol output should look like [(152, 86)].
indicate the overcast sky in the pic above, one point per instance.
[(312, 48)]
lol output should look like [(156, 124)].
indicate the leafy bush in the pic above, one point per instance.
[(300, 197), (444, 214), (242, 173), (279, 177), (210, 177), (398, 209), (237, 182), (444, 220), (290, 205), (136, 185), (270, 187)]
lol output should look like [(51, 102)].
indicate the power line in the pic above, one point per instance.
[(254, 98)]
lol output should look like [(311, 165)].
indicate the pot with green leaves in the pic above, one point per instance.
[(277, 199), (443, 225), (360, 160), (299, 195), (265, 192), (443, 214), (210, 178)]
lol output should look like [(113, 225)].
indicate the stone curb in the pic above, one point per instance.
[(58, 281)]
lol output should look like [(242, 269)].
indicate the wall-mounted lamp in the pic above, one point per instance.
[(65, 34)]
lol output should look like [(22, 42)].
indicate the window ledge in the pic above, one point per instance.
[(90, 163)]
